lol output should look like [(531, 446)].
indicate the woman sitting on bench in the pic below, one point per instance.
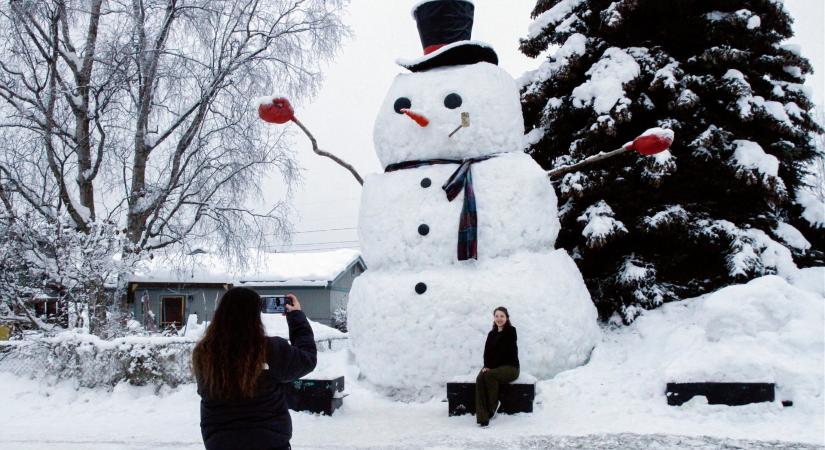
[(500, 365)]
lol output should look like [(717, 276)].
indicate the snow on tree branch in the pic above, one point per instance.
[(600, 226)]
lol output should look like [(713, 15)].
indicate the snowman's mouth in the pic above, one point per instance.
[(465, 123)]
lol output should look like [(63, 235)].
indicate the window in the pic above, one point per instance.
[(171, 311), (45, 308)]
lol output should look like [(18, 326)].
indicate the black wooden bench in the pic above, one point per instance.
[(515, 397), (320, 396), (722, 393)]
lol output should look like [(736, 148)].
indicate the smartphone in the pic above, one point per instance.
[(274, 304)]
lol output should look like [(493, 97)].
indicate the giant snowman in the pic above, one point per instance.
[(460, 222)]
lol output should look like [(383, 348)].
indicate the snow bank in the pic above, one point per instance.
[(763, 331), (767, 330), (275, 325)]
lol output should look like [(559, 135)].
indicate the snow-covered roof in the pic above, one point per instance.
[(262, 269)]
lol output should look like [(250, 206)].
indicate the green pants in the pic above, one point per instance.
[(487, 390)]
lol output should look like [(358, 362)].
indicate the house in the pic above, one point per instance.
[(165, 292)]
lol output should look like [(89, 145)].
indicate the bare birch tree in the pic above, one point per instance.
[(136, 114)]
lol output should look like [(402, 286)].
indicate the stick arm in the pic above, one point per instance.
[(558, 171), (317, 150)]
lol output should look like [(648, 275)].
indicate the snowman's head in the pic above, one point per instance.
[(423, 108)]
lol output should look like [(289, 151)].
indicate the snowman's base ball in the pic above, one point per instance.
[(409, 344)]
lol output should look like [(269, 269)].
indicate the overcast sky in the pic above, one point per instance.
[(343, 113)]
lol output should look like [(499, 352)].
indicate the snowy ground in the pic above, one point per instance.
[(775, 333)]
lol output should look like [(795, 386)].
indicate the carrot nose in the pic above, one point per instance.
[(418, 118)]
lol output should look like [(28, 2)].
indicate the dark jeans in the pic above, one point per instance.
[(487, 390)]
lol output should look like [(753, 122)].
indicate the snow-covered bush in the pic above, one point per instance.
[(94, 362), (138, 360), (339, 319)]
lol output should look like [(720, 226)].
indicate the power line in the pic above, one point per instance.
[(319, 231), (304, 244), (326, 243), (309, 250)]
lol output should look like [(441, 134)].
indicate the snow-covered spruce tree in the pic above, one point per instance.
[(719, 207)]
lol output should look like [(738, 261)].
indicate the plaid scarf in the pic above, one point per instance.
[(462, 178)]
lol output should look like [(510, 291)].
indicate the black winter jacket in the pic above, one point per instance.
[(262, 422), (501, 348)]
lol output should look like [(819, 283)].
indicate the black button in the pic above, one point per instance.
[(423, 230), (420, 288), (426, 182)]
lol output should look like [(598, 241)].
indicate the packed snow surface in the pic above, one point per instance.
[(310, 268), (488, 94), (621, 390), (765, 331), (411, 344)]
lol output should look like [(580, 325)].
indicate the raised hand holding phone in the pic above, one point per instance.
[(292, 304)]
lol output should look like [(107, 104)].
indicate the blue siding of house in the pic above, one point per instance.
[(318, 302)]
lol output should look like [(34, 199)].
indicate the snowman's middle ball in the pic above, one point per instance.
[(485, 91)]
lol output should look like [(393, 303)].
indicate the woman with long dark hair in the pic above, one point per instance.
[(241, 374), (500, 365)]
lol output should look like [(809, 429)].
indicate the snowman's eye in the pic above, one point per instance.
[(452, 101), (402, 103)]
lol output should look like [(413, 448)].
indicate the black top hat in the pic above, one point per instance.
[(445, 28)]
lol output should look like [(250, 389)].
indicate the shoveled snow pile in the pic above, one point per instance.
[(767, 330), (274, 325), (763, 331)]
